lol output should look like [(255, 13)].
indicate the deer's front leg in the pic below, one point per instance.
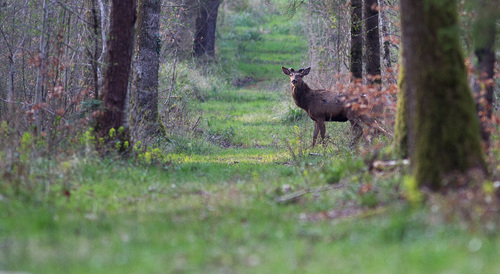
[(322, 128)]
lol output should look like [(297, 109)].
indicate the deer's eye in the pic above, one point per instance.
[(292, 70), (301, 70)]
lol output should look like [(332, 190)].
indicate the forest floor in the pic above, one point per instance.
[(243, 192), (233, 209)]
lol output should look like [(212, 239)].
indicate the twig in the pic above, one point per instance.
[(196, 124)]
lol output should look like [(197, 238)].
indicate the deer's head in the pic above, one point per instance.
[(296, 76)]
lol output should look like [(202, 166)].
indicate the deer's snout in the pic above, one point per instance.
[(294, 81)]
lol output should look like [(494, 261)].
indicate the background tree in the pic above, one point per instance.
[(206, 22), (442, 122), (117, 70), (93, 48), (44, 43), (356, 68), (144, 119), (371, 18), (13, 33)]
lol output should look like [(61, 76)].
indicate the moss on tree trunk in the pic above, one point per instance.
[(443, 126), (400, 141)]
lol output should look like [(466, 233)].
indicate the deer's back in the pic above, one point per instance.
[(324, 104)]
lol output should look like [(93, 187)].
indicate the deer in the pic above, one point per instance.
[(322, 105)]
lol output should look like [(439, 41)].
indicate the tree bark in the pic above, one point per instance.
[(206, 22), (371, 18), (144, 118), (443, 127), (484, 40), (117, 70), (356, 39)]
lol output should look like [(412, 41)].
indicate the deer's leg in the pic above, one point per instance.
[(316, 131)]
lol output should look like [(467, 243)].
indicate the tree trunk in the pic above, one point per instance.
[(10, 85), (41, 69), (387, 50), (92, 50), (386, 36), (117, 70), (206, 22), (484, 40), (442, 122), (144, 118), (372, 41), (356, 39)]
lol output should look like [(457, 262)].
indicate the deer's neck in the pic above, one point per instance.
[(300, 94)]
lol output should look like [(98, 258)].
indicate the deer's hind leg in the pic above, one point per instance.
[(319, 126)]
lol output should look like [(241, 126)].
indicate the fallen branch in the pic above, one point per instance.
[(383, 165), (294, 196)]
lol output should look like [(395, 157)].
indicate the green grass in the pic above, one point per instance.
[(212, 206), (183, 226)]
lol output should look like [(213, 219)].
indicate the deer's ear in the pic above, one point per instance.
[(306, 71), (285, 71)]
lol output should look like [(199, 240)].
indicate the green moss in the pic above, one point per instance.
[(400, 142)]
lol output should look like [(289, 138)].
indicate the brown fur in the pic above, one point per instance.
[(320, 104)]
